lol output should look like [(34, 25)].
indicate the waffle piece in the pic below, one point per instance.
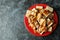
[(49, 22), (49, 8)]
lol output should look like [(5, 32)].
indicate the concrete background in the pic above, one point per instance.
[(11, 19)]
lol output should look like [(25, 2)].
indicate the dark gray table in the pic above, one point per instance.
[(11, 19)]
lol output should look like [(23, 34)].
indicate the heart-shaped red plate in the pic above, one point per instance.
[(31, 30)]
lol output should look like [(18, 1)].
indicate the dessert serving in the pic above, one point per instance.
[(41, 19)]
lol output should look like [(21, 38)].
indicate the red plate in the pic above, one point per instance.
[(31, 30)]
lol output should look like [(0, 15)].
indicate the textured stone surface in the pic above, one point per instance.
[(11, 19)]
